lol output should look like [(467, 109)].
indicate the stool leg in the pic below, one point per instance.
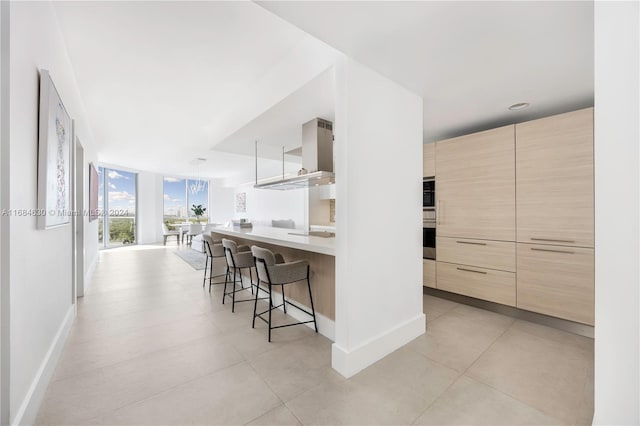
[(284, 301), (233, 293), (206, 265), (255, 305), (224, 292), (270, 309), (311, 299), (251, 280), (210, 274)]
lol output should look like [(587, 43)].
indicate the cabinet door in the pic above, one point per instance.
[(429, 160), (481, 283), (484, 253), (556, 281), (475, 186), (429, 273), (554, 179)]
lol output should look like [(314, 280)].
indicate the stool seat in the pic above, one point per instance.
[(273, 270)]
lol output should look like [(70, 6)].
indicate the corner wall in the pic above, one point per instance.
[(40, 261), (617, 213), (378, 145)]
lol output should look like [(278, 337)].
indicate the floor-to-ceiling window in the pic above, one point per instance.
[(180, 195), (117, 201)]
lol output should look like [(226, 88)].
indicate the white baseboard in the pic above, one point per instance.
[(89, 274), (350, 362), (26, 414), (326, 326)]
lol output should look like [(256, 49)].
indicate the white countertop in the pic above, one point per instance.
[(281, 237)]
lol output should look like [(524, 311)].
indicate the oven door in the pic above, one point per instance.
[(428, 193), (428, 241)]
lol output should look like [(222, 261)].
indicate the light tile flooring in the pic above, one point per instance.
[(149, 346)]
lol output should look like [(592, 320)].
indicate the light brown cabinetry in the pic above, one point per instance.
[(429, 273), (556, 281), (531, 183), (481, 283), (554, 180), (499, 255), (429, 160), (476, 186)]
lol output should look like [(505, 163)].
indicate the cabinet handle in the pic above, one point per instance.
[(552, 240), (553, 251), (471, 242), (471, 270)]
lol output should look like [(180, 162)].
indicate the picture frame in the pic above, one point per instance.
[(54, 157), (241, 202), (93, 192)]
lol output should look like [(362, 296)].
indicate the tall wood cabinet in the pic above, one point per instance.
[(475, 187), (554, 179), (515, 215), (429, 160), (555, 216)]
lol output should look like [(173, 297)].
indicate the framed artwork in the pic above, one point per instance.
[(93, 193), (54, 157), (241, 202)]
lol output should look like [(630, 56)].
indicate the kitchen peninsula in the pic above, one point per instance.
[(319, 251)]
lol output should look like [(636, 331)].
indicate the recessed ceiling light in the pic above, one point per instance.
[(519, 106)]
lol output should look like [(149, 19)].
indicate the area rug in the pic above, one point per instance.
[(194, 258)]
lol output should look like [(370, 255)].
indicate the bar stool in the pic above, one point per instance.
[(213, 250), (272, 270), (238, 258)]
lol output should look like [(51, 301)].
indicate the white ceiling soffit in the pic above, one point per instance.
[(468, 60), (281, 125), (163, 82)]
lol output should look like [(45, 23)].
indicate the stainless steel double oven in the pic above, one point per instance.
[(429, 218)]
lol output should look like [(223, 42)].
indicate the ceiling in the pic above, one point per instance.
[(163, 82), (166, 82), (281, 126), (468, 60)]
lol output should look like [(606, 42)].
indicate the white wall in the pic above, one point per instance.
[(221, 207), (4, 220), (617, 294), (264, 205), (150, 204), (378, 143), (40, 260)]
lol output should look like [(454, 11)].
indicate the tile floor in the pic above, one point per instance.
[(151, 347)]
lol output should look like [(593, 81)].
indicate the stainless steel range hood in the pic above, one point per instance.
[(317, 159)]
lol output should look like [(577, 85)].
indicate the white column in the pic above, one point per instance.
[(617, 294), (378, 157)]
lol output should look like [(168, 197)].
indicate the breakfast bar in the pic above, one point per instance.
[(318, 251)]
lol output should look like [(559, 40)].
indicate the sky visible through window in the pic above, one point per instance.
[(178, 197), (122, 191)]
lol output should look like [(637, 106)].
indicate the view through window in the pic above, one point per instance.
[(180, 195), (117, 204)]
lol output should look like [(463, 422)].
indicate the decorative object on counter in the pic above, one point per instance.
[(302, 171), (54, 157), (198, 211), (242, 223), (283, 223), (241, 202)]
